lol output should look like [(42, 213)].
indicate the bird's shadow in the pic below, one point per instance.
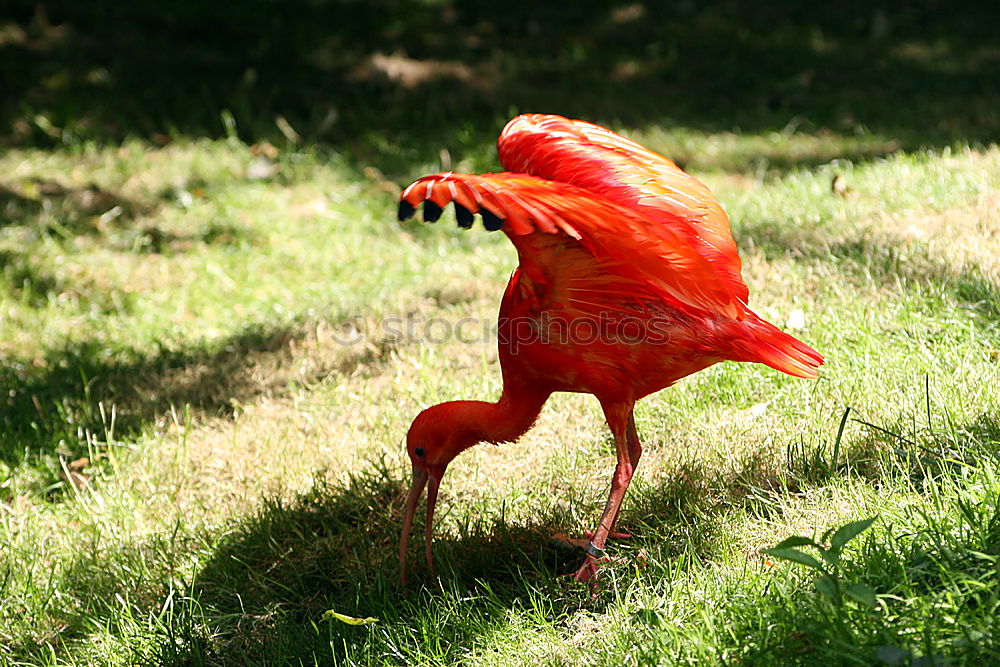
[(261, 597)]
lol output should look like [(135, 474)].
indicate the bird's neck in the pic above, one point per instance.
[(504, 421), (511, 416)]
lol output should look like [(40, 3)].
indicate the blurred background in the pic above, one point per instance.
[(387, 81)]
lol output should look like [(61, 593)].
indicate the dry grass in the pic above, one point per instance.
[(963, 237)]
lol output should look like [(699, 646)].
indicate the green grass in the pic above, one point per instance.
[(243, 471), (203, 406)]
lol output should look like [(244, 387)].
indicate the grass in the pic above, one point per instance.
[(214, 337), (197, 474)]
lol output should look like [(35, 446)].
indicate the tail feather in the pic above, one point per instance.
[(767, 344)]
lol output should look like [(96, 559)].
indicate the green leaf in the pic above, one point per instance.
[(350, 620), (861, 593), (848, 532), (795, 556), (827, 586), (795, 541)]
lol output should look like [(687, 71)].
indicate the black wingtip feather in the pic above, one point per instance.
[(432, 212), (406, 210), (463, 216), (491, 221)]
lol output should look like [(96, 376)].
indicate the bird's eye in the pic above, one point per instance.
[(419, 451)]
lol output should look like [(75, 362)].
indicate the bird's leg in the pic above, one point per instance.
[(634, 452), (628, 450), (634, 446)]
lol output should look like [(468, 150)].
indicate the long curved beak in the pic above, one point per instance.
[(420, 480), (432, 494), (416, 490)]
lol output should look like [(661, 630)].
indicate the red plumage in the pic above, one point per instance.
[(628, 280)]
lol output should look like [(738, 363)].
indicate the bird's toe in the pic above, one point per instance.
[(588, 571)]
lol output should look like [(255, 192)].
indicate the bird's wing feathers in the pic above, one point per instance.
[(598, 160), (620, 237)]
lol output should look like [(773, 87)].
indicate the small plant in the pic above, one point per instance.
[(812, 465), (829, 582)]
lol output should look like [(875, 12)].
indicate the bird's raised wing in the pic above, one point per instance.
[(598, 160), (618, 236)]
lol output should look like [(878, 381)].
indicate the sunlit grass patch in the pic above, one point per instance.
[(763, 155)]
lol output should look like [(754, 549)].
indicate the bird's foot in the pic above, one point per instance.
[(594, 560), (588, 571)]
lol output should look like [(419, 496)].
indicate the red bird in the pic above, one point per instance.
[(628, 280)]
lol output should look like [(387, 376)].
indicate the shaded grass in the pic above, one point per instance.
[(391, 83)]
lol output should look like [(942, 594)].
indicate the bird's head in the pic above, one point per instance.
[(437, 435)]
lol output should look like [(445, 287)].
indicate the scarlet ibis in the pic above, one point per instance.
[(628, 280)]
